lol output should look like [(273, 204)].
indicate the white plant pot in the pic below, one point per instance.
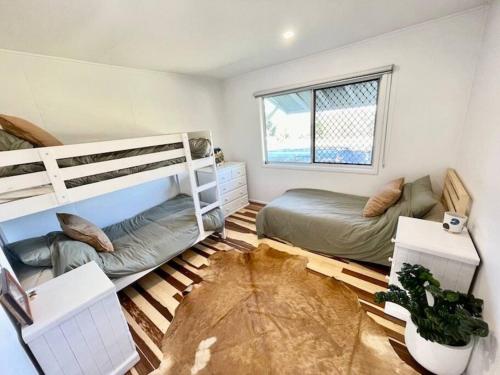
[(437, 358)]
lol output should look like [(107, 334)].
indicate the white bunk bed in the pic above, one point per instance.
[(57, 194)]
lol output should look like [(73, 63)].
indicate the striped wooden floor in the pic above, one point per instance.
[(149, 304)]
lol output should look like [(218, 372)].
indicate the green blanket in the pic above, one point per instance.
[(332, 223), (141, 242)]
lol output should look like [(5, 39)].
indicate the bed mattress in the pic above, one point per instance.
[(332, 223), (141, 242)]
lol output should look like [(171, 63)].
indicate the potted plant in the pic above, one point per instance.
[(440, 334)]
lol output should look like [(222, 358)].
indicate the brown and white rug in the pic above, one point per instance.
[(150, 304), (261, 312)]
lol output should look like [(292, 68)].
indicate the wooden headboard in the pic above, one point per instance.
[(455, 196)]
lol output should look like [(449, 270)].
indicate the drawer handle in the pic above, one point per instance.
[(389, 259), (393, 240)]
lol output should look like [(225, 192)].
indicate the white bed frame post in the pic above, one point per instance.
[(193, 183), (54, 175), (192, 166)]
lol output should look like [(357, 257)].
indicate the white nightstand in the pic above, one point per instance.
[(232, 182), (79, 327), (452, 258)]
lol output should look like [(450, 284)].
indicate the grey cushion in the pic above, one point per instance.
[(200, 147), (79, 229), (419, 194), (32, 251)]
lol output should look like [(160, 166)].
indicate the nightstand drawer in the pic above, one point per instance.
[(233, 185), (233, 195), (238, 171), (235, 205), (223, 176)]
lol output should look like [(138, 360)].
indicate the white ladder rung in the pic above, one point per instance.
[(210, 207), (207, 186), (201, 163)]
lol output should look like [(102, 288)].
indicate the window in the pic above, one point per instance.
[(335, 125), (288, 127)]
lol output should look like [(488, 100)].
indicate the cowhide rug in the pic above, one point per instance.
[(262, 312)]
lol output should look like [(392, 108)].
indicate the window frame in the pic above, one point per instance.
[(384, 77)]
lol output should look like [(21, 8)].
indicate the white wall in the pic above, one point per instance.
[(79, 101), (478, 165), (431, 86)]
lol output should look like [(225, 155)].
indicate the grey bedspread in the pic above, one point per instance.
[(141, 242), (331, 223)]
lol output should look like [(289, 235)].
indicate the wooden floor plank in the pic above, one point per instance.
[(142, 319), (143, 341), (184, 268), (194, 259), (147, 308), (177, 275)]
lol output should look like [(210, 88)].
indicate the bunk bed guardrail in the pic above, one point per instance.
[(56, 177)]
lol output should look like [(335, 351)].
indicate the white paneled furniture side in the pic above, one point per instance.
[(79, 327), (452, 258), (232, 185)]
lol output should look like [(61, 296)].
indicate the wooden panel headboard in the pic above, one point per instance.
[(455, 196)]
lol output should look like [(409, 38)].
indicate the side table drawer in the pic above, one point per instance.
[(235, 194), (235, 205), (233, 185), (223, 176), (238, 171)]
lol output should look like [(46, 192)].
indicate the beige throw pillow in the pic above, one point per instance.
[(384, 198), (28, 131), (83, 230)]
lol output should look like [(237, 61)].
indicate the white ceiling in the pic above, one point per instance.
[(219, 38)]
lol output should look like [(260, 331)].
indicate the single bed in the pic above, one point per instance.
[(142, 242), (333, 224)]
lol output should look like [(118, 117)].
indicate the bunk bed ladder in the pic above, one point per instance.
[(193, 165)]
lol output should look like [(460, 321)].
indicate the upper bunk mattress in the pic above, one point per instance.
[(331, 223), (141, 242)]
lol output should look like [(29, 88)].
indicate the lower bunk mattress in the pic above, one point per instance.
[(141, 242)]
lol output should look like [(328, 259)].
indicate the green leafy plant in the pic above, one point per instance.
[(442, 316)]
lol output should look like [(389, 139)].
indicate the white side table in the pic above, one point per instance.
[(79, 327), (452, 258)]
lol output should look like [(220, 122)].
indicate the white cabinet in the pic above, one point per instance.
[(79, 327), (452, 258), (232, 185)]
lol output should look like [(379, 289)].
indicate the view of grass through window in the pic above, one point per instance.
[(343, 131)]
